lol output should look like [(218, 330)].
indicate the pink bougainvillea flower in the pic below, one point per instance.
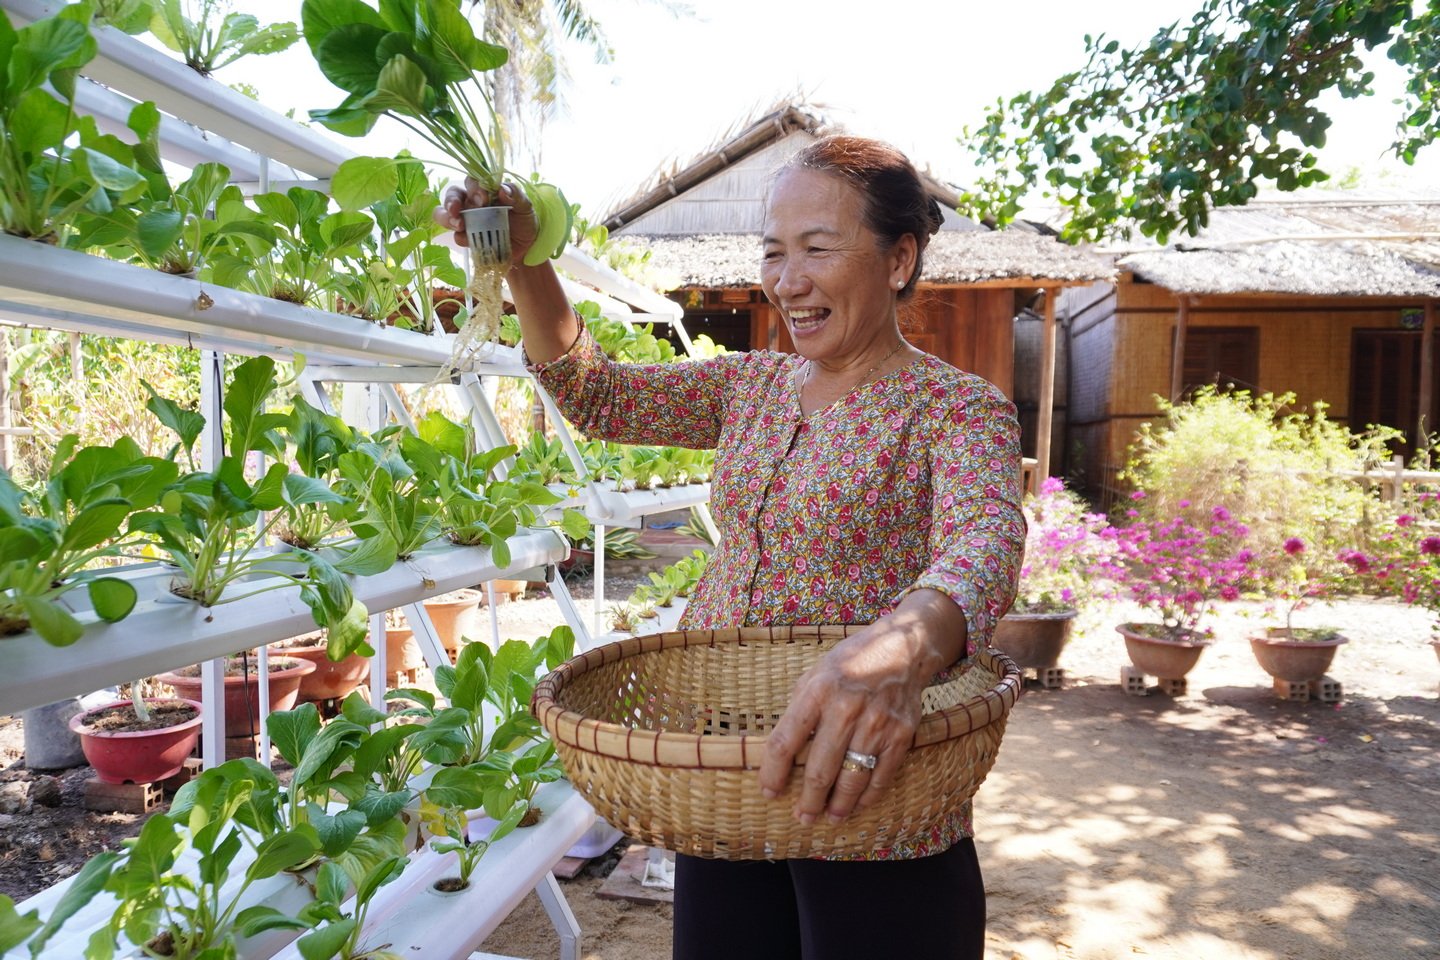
[(1220, 513), (1430, 545), (1294, 546), (1404, 520)]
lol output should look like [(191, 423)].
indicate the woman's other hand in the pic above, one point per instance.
[(522, 216), (862, 696)]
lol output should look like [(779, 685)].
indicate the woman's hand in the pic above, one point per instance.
[(522, 217), (862, 696)]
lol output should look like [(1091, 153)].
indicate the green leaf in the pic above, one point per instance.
[(331, 883), (39, 49), (93, 525), (281, 852), (370, 556), (459, 787), (325, 943), (15, 927), (300, 489), (320, 18), (511, 820), (106, 171), (358, 711), (378, 806), (255, 920), (55, 625), (337, 832), (38, 123), (361, 182), (158, 230), (292, 731), (112, 598), (401, 87)]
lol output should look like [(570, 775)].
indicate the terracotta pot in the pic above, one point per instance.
[(1164, 657), (456, 618), (138, 756), (1034, 639), (402, 650), (1299, 661), (242, 694), (331, 680), (505, 591)]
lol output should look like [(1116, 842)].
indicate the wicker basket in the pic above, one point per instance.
[(663, 734)]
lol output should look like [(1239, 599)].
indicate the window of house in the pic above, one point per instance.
[(1221, 355)]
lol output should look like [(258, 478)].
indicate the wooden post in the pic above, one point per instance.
[(1427, 379), (1177, 357), (1047, 394)]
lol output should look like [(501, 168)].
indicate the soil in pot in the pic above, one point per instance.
[(532, 817), (1157, 654), (1299, 656), (122, 749), (242, 691)]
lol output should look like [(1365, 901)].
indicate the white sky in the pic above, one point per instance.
[(914, 72)]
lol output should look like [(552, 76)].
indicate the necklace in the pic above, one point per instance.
[(810, 367)]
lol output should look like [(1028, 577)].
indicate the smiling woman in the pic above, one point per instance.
[(861, 482)]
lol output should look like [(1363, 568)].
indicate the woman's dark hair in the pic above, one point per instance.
[(896, 201)]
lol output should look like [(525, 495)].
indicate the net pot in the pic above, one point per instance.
[(664, 733), (488, 230)]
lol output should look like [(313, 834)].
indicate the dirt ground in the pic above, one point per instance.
[(1218, 825)]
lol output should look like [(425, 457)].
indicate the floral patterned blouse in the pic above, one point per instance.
[(911, 481)]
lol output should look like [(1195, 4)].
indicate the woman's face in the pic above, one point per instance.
[(825, 269)]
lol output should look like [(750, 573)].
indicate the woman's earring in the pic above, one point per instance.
[(899, 284)]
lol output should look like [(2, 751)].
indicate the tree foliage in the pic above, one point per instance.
[(1155, 136)]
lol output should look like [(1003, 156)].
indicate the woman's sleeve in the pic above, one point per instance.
[(977, 532), (669, 404)]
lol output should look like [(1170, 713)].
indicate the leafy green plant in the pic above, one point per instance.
[(310, 242), (51, 537), (543, 459), (1277, 469), (396, 502), (45, 182), (206, 524), (127, 16), (340, 935), (209, 38), (194, 914), (421, 64)]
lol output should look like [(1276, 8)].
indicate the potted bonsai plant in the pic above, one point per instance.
[(1291, 653), (422, 65), (1067, 550), (1176, 571)]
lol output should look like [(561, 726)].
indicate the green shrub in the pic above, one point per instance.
[(1276, 469)]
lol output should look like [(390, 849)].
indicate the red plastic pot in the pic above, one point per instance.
[(138, 756), (242, 694), (331, 680)]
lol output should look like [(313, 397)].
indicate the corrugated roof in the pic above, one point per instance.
[(953, 257), (1318, 243)]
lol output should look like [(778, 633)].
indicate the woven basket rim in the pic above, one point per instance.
[(744, 751)]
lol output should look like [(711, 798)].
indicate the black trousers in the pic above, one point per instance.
[(932, 908)]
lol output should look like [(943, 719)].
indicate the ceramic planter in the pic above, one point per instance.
[(1298, 661), (1168, 658), (137, 756), (456, 616), (402, 651), (1034, 639), (242, 694), (330, 680)]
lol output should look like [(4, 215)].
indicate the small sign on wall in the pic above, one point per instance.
[(1412, 318)]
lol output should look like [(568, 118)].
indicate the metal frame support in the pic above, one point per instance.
[(212, 449), (552, 898)]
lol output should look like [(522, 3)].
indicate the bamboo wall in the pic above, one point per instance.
[(1305, 348)]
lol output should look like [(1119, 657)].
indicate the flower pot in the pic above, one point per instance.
[(1034, 639), (330, 680), (402, 651), (505, 591), (455, 616), (242, 693), (137, 756), (1296, 660), (1166, 657)]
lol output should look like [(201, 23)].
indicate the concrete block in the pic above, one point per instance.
[(1134, 682), (1298, 690), (1172, 686), (1051, 678), (122, 797), (1327, 690)]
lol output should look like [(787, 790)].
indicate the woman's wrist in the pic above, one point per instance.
[(935, 628)]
